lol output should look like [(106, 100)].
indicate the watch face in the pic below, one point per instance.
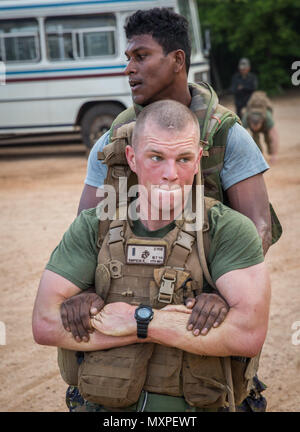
[(144, 313)]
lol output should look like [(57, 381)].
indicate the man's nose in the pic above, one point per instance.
[(130, 68), (170, 171)]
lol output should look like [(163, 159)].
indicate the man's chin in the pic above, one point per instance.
[(138, 99)]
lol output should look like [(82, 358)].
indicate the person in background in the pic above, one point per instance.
[(243, 84)]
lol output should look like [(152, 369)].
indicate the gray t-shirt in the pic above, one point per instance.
[(242, 160)]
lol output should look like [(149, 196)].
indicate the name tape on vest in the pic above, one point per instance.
[(145, 254)]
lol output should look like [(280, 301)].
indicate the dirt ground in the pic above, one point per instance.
[(40, 189)]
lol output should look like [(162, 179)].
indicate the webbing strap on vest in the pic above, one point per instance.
[(181, 249), (228, 375), (200, 241)]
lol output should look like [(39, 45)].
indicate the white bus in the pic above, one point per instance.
[(63, 62)]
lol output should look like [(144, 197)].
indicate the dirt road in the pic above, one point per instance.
[(39, 198)]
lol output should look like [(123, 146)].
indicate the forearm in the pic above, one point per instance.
[(228, 339), (247, 292), (169, 328), (47, 324), (48, 330)]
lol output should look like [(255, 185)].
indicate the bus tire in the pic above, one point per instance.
[(96, 121)]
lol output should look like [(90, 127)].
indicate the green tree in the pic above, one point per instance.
[(265, 31)]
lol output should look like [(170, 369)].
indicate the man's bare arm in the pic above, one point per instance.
[(247, 291), (88, 199), (250, 197), (47, 324)]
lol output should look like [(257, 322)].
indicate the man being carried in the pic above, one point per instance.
[(152, 358)]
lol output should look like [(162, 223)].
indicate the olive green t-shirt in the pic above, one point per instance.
[(235, 244)]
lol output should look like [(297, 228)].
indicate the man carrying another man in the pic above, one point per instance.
[(258, 118), (152, 357), (158, 54)]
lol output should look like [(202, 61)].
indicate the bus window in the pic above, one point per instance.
[(19, 40), (71, 38)]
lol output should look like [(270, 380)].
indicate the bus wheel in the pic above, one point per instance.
[(96, 121)]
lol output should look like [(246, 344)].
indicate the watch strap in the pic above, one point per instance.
[(142, 329)]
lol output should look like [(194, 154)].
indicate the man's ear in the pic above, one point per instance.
[(179, 57), (130, 156)]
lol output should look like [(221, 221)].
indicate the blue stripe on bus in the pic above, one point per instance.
[(79, 69), (68, 4), (63, 70), (36, 126)]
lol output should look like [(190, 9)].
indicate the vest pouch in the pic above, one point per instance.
[(204, 383), (68, 365), (115, 377), (164, 371)]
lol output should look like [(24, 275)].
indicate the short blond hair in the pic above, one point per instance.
[(167, 114)]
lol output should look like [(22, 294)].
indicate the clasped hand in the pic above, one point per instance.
[(85, 312)]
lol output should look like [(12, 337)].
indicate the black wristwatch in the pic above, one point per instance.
[(143, 315)]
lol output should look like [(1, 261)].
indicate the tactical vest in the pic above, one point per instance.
[(115, 377)]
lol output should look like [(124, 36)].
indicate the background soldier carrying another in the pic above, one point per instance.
[(258, 118)]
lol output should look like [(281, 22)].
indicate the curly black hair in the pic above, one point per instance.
[(168, 28)]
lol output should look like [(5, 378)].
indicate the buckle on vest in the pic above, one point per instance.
[(166, 289), (116, 234), (115, 269), (185, 240)]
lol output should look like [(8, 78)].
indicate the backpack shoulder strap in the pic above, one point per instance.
[(216, 115), (125, 117), (203, 241), (114, 152)]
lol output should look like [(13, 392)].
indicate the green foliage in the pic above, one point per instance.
[(265, 31)]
